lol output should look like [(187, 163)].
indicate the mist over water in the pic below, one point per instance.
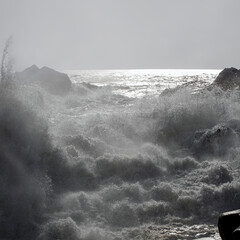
[(116, 160)]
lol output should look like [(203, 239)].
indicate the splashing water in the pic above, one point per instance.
[(114, 159)]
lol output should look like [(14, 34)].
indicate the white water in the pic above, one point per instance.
[(132, 164)]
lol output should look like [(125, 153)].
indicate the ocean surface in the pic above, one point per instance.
[(143, 82), (123, 157)]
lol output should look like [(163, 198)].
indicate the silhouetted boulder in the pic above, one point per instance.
[(228, 225), (228, 78), (52, 81), (236, 234)]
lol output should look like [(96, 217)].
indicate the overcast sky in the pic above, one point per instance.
[(113, 34)]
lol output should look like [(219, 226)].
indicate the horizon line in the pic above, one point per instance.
[(144, 69)]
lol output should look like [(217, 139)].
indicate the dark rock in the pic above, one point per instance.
[(28, 72), (236, 234), (228, 79), (215, 141), (52, 81), (228, 224)]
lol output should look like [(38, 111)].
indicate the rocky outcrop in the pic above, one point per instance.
[(52, 81), (228, 79), (228, 225), (215, 141)]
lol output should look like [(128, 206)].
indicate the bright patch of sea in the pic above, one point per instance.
[(142, 82)]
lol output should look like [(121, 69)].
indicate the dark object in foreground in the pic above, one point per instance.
[(229, 225), (236, 234)]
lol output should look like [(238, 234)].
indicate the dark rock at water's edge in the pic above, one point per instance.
[(228, 225), (217, 140), (228, 79), (52, 81), (214, 141)]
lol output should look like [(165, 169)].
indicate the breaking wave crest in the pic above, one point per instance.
[(90, 167)]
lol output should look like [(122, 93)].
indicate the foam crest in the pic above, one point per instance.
[(96, 165)]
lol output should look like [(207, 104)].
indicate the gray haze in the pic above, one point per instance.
[(104, 34)]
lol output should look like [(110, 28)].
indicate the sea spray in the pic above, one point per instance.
[(25, 186), (90, 167)]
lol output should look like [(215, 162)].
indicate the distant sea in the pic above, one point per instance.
[(142, 82)]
